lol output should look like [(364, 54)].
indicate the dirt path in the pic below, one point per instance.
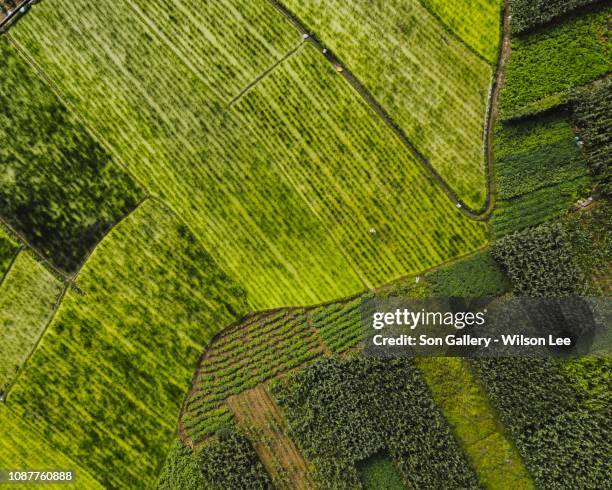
[(257, 413), (492, 107)]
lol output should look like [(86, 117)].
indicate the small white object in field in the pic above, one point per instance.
[(372, 230), (458, 205), (418, 278), (305, 36), (324, 50)]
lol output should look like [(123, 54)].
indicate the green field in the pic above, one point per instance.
[(476, 22), (287, 211), (28, 296), (430, 83), (21, 448), (121, 350)]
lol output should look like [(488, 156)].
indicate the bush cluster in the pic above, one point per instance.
[(341, 412), (539, 262)]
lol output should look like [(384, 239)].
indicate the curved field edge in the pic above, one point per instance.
[(121, 348), (242, 231)]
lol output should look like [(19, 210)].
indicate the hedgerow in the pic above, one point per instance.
[(58, 187), (592, 111), (562, 445), (527, 14), (231, 462), (340, 412), (556, 60), (539, 262)]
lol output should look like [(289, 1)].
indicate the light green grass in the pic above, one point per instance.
[(467, 409), (107, 380), (22, 449), (28, 295), (282, 189), (430, 83), (379, 473), (477, 22)]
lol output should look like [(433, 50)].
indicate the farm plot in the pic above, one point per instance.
[(21, 447), (540, 171), (429, 82), (476, 22), (247, 354), (340, 412), (527, 14), (28, 296), (8, 249), (120, 353), (261, 195), (58, 187), (575, 53)]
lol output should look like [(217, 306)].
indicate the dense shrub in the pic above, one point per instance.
[(181, 470), (539, 262), (341, 412), (592, 111), (475, 276), (8, 249), (527, 14), (231, 462), (58, 186), (562, 445)]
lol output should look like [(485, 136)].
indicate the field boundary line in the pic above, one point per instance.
[(264, 74), (484, 212), (20, 248)]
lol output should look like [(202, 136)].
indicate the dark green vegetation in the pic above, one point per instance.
[(8, 249), (58, 187), (121, 349), (539, 262), (181, 470), (231, 462), (540, 171), (562, 444), (593, 118), (474, 276), (340, 412), (551, 62), (379, 473), (527, 14), (338, 324)]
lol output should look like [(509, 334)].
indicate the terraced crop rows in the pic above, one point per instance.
[(430, 83), (246, 355), (257, 194)]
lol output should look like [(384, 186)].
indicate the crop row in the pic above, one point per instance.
[(339, 325)]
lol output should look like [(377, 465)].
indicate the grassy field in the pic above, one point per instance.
[(58, 187), (430, 83), (477, 23), (28, 295), (8, 249), (22, 448), (285, 209), (576, 52), (379, 473), (120, 353)]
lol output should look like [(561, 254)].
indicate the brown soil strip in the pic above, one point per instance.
[(257, 413)]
